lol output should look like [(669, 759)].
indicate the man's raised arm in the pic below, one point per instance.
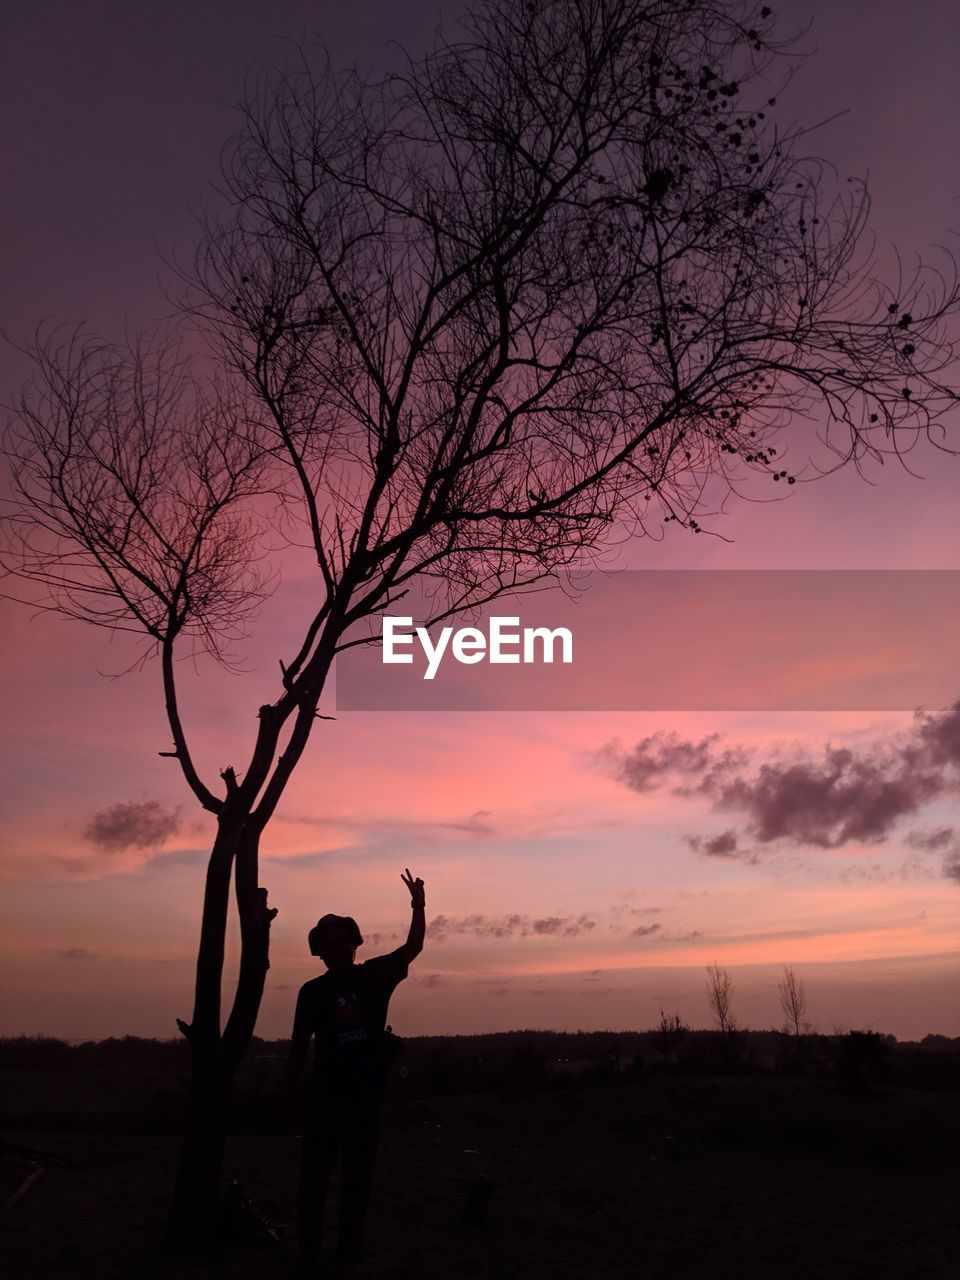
[(418, 924)]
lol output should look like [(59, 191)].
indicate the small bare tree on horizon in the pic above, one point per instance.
[(793, 1003), (720, 999), (560, 282)]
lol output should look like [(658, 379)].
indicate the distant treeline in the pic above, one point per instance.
[(131, 1081)]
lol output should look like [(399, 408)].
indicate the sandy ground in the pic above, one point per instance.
[(673, 1180)]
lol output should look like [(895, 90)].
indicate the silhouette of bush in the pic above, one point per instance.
[(35, 1051), (862, 1059), (932, 1063)]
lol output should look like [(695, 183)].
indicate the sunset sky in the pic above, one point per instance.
[(581, 867)]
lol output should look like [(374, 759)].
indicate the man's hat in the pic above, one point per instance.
[(347, 923)]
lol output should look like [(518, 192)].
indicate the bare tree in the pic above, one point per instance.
[(793, 1002), (720, 1000), (561, 281)]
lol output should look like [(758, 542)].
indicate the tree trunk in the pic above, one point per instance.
[(193, 1213), (216, 1056)]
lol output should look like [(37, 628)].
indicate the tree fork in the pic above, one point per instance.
[(256, 916)]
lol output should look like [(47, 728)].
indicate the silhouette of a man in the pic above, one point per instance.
[(345, 1011)]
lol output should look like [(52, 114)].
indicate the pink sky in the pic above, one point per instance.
[(570, 899)]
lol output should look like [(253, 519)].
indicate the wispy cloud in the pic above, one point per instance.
[(431, 980), (378, 939), (620, 909), (511, 925), (132, 824), (664, 757), (474, 824)]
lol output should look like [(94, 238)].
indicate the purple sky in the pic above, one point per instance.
[(115, 118)]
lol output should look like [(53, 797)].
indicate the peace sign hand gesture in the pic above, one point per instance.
[(417, 893)]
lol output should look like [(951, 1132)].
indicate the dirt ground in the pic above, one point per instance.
[(663, 1179)]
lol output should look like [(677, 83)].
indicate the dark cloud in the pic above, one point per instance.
[(822, 800), (666, 756), (645, 930), (509, 926), (832, 801), (722, 845), (939, 735), (945, 840), (939, 838), (565, 926), (78, 953), (132, 824)]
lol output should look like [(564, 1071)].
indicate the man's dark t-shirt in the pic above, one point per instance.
[(346, 1012)]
